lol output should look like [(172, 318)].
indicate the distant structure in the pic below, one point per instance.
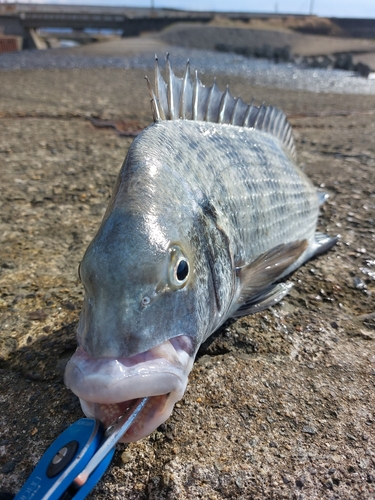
[(21, 21)]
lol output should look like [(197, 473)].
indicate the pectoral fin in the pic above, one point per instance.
[(271, 296), (258, 290)]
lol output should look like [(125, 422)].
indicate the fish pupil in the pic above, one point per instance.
[(182, 270)]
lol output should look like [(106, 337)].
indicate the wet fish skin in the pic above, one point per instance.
[(227, 200), (201, 194)]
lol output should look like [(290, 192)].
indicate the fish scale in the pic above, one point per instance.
[(241, 185)]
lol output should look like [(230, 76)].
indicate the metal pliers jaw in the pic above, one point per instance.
[(78, 458), (53, 477)]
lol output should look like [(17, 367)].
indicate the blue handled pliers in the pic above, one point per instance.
[(77, 459)]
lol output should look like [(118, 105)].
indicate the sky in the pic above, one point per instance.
[(328, 8)]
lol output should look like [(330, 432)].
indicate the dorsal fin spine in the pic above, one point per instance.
[(232, 118), (262, 120), (195, 96), (276, 122), (223, 103), (170, 89), (154, 101), (207, 116), (264, 124), (185, 83), (183, 98), (160, 90), (247, 114), (289, 137), (271, 120), (267, 118), (260, 109), (285, 134)]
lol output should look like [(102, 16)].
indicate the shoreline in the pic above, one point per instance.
[(259, 72)]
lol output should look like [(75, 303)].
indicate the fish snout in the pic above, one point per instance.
[(104, 332), (110, 338)]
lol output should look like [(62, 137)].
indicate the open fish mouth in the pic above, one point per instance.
[(107, 387)]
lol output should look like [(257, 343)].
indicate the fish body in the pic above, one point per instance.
[(208, 213)]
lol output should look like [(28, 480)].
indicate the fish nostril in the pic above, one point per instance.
[(145, 301)]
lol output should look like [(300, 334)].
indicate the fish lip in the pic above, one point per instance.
[(106, 385), (159, 370), (153, 414), (112, 393)]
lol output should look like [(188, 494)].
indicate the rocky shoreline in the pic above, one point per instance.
[(279, 46), (342, 60)]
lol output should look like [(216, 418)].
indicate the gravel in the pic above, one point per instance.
[(257, 72)]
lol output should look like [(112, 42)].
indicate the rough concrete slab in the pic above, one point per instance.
[(281, 404)]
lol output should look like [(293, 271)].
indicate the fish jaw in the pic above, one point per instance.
[(107, 387)]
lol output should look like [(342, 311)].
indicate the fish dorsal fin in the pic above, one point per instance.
[(181, 98)]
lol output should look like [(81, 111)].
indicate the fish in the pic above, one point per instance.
[(208, 214)]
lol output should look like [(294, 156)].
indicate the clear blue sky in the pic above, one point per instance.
[(329, 8)]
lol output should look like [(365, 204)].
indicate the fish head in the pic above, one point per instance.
[(137, 332), (157, 277), (139, 287)]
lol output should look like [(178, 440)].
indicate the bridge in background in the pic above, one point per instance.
[(19, 19), (23, 20), (129, 20)]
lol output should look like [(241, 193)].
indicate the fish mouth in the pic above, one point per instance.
[(107, 387)]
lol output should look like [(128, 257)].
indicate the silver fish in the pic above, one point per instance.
[(208, 213)]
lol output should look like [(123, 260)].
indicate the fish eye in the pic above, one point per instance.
[(182, 270), (179, 269)]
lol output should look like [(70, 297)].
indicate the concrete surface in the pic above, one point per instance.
[(280, 404)]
